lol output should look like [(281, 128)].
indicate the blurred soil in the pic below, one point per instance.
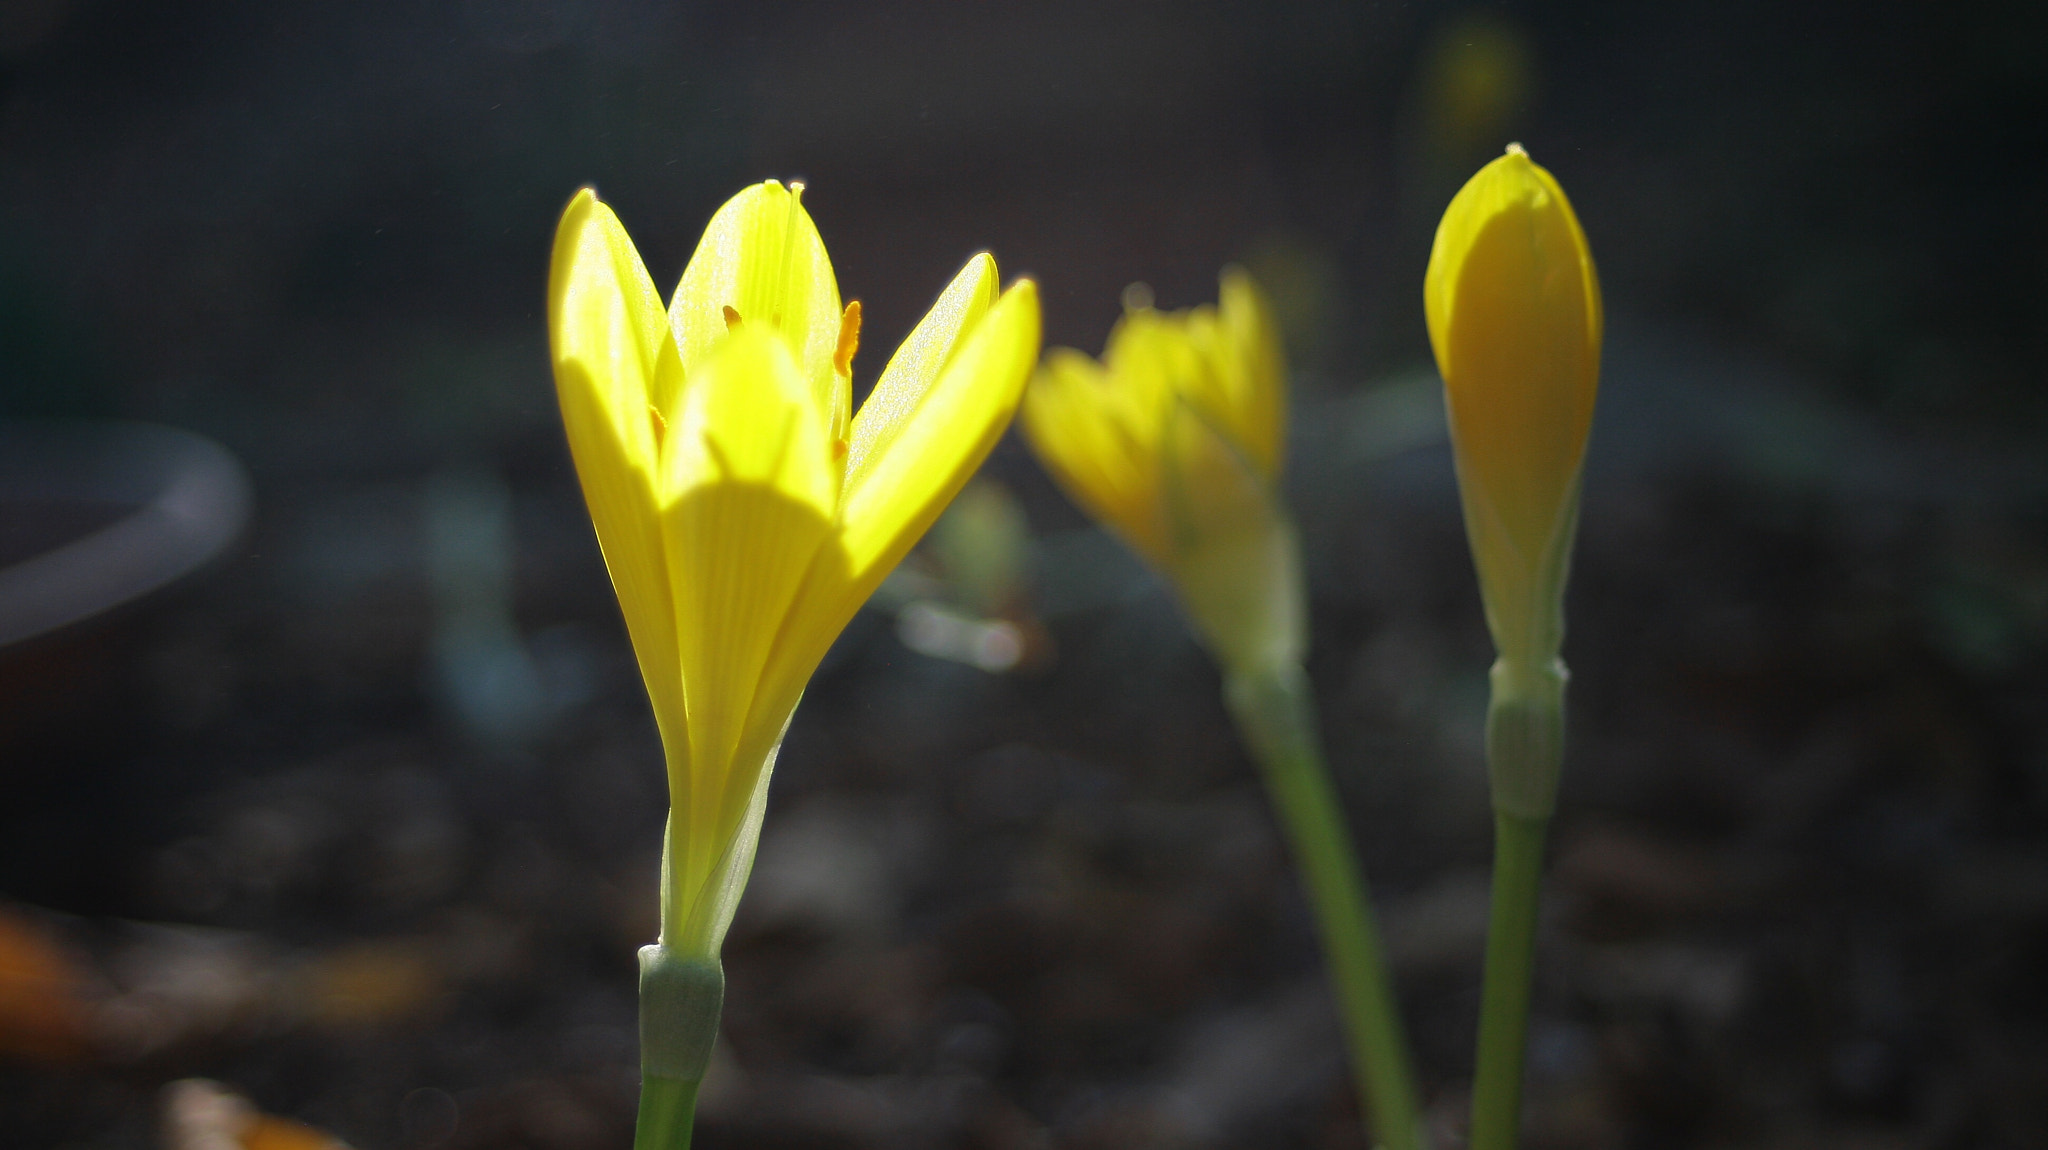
[(1793, 899)]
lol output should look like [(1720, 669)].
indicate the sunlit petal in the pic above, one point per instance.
[(937, 446), (931, 456), (702, 924), (611, 348), (761, 256), (749, 479), (908, 378)]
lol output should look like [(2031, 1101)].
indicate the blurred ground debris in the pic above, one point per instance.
[(200, 1115), (43, 990)]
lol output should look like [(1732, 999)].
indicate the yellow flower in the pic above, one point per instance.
[(1175, 442), (1514, 316), (743, 513)]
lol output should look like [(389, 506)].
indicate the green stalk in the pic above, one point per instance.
[(1275, 715), (1510, 966), (668, 1110), (1524, 752)]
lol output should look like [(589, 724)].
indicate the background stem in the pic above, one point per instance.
[(1510, 968), (1275, 715)]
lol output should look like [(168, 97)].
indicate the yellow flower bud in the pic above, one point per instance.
[(1514, 317), (743, 515), (1174, 441)]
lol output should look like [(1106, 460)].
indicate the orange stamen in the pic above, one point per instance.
[(849, 339)]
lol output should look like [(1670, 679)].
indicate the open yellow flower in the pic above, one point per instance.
[(1175, 442), (1514, 316), (743, 511)]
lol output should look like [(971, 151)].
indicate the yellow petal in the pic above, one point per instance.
[(749, 479), (1235, 562), (700, 929), (1256, 369), (1076, 419), (611, 349), (1515, 318), (1174, 442), (761, 256), (904, 384), (935, 449), (1140, 360), (940, 441)]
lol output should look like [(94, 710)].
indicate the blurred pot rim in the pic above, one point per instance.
[(189, 498)]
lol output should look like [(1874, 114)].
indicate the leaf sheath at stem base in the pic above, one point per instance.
[(681, 997)]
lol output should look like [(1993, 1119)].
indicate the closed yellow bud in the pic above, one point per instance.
[(1174, 441), (1514, 317)]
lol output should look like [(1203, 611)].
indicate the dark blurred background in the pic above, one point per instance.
[(360, 818)]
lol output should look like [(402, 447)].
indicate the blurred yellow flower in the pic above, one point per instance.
[(1175, 442), (743, 511), (1514, 316)]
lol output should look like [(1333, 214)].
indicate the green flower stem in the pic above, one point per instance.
[(668, 1110), (1273, 711), (1524, 752), (680, 1000), (1510, 965)]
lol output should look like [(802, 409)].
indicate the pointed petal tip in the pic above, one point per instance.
[(1017, 310), (1514, 173), (1024, 291), (582, 209), (981, 279), (1235, 289), (794, 189), (980, 269), (761, 255)]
